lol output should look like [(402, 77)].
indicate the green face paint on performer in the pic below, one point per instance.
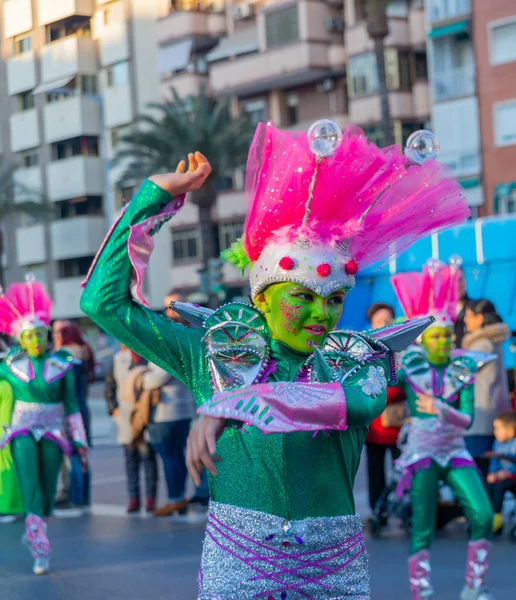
[(297, 316), (437, 342), (34, 341)]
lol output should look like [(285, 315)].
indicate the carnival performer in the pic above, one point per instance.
[(45, 420), (10, 497), (282, 520), (439, 384)]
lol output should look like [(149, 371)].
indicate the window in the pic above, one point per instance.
[(123, 194), (507, 202), (256, 111), (116, 134), (281, 26), (89, 205), (75, 25), (80, 146), (375, 134), (88, 84), (505, 123), (29, 158), (118, 74), (22, 43), (185, 245), (397, 8), (74, 267), (229, 233), (503, 42), (420, 65), (39, 271), (25, 101), (292, 109), (362, 75)]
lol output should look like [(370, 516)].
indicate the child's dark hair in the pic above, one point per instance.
[(507, 417), (487, 309), (374, 308)]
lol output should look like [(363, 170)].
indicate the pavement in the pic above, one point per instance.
[(106, 554)]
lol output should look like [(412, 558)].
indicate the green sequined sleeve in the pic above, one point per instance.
[(107, 300), (363, 406)]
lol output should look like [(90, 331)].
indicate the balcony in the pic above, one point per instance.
[(51, 11), (29, 178), (68, 57), (454, 83), (17, 17), (186, 84), (287, 66), (74, 177), (359, 41), (366, 110), (21, 73), (77, 236), (30, 245), (189, 24), (71, 117), (462, 163), (447, 10), (67, 297), (118, 105), (24, 130), (114, 42)]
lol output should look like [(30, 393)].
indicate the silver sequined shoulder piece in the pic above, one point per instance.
[(237, 346)]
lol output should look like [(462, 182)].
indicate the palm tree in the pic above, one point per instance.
[(378, 30), (162, 137), (28, 202)]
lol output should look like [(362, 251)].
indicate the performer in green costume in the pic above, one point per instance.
[(45, 414), (10, 496), (282, 520), (439, 384)]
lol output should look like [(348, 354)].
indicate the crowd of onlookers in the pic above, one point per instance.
[(491, 439)]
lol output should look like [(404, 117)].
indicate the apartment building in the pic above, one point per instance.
[(75, 73), (494, 31), (290, 63)]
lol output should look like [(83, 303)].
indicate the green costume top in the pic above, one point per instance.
[(45, 401), (293, 475)]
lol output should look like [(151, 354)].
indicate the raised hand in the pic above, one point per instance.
[(183, 181), (201, 446), (426, 404)]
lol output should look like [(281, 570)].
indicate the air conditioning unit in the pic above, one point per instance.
[(242, 11), (326, 85), (335, 25)]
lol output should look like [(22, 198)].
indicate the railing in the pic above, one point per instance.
[(442, 10), (454, 83)]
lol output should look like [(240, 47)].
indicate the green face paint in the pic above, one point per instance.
[(34, 341), (437, 342), (300, 318)]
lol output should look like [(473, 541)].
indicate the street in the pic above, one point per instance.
[(107, 554)]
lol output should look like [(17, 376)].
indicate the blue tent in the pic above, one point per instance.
[(488, 249)]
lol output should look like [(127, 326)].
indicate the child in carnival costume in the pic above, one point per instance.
[(268, 377), (439, 383), (45, 420)]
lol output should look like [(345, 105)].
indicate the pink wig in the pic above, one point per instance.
[(24, 306)]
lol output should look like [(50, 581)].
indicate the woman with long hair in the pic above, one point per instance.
[(286, 400)]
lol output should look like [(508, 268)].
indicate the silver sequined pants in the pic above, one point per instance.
[(249, 554)]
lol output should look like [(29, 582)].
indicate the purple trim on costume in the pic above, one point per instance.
[(408, 472), (36, 533), (303, 376), (269, 369), (76, 431), (460, 463), (141, 243), (57, 437), (103, 245), (393, 371), (232, 535)]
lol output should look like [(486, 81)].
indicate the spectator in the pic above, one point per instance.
[(131, 407), (463, 303), (171, 425), (502, 473), (486, 334), (67, 335), (383, 431)]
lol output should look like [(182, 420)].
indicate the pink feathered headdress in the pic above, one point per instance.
[(24, 306), (317, 220), (434, 292)]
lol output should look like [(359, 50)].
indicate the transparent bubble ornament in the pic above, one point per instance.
[(421, 147), (324, 137)]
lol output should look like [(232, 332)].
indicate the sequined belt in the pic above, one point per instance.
[(435, 439), (35, 415), (249, 554)]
